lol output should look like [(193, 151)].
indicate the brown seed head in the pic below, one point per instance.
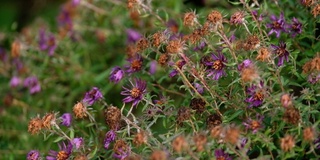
[(179, 144), (316, 10), (157, 39), (112, 117), (312, 65), (184, 113), (287, 143), (120, 147), (309, 134), (81, 157), (251, 43), (131, 4), (213, 120), (195, 36), (198, 104), (131, 50), (79, 110), (237, 18), (249, 74), (216, 131), (200, 140), (175, 46), (163, 59), (48, 120), (189, 19), (286, 100), (15, 49), (35, 125), (140, 139), (291, 115), (307, 3), (158, 155), (264, 54), (8, 100), (214, 17), (231, 135), (142, 44)]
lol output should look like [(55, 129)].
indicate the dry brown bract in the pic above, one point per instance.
[(292, 115), (200, 140), (287, 143), (312, 65), (264, 54), (140, 139), (316, 10), (48, 120), (214, 17), (112, 117), (35, 125), (158, 155), (80, 110), (189, 19), (309, 134), (179, 144)]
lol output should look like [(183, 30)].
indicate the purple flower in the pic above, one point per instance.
[(317, 143), (243, 142), (173, 26), (33, 155), (110, 137), (245, 64), (66, 119), (198, 87), (277, 26), (256, 95), (215, 66), (179, 64), (135, 94), (295, 27), (47, 42), (63, 153), (254, 125), (3, 55), (15, 82), (18, 64), (200, 47), (135, 64), (75, 2), (92, 96), (116, 74), (133, 36), (77, 142), (153, 67), (219, 153), (281, 52), (33, 84), (255, 14), (121, 154), (313, 78)]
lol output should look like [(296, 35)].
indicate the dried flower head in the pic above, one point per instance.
[(175, 46), (248, 71), (216, 131), (179, 144), (131, 51), (287, 143), (157, 39), (48, 120), (292, 115), (309, 134), (163, 59), (251, 43), (15, 49), (132, 3), (189, 19), (112, 117), (312, 65), (254, 124), (184, 113), (79, 110), (264, 54), (213, 120), (140, 138), (316, 10), (200, 140), (231, 134), (80, 157), (286, 100), (237, 18), (214, 17), (121, 150), (307, 3), (158, 155), (142, 44), (198, 104)]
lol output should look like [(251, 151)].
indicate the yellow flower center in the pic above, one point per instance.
[(217, 65), (135, 92)]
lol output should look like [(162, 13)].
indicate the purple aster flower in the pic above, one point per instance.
[(18, 64), (317, 143), (122, 152), (153, 67), (215, 65), (256, 95), (15, 82), (201, 46), (255, 14), (75, 2), (92, 96), (245, 64), (173, 26), (133, 36), (66, 119), (179, 64), (33, 155), (281, 52), (135, 94), (47, 42), (77, 142), (3, 55), (135, 64), (33, 84), (198, 87), (254, 125), (220, 154), (116, 74), (295, 27), (110, 137), (243, 142), (313, 78), (277, 26), (63, 153)]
